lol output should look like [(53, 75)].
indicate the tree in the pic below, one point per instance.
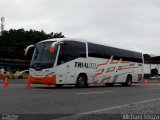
[(57, 35), (14, 41)]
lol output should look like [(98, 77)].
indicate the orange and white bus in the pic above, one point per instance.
[(77, 62)]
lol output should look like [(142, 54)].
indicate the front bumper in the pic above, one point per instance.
[(42, 80)]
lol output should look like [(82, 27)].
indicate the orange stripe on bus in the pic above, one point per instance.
[(108, 79), (102, 64), (95, 82), (127, 68), (114, 62), (111, 70), (97, 75)]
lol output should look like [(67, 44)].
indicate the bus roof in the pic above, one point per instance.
[(63, 39), (82, 40)]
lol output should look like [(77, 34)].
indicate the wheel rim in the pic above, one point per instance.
[(81, 82), (129, 82)]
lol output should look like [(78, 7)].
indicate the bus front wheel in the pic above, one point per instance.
[(81, 81)]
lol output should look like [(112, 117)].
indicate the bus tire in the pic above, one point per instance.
[(59, 85), (81, 81), (128, 81)]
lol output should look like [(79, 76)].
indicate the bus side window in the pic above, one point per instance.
[(61, 58), (70, 51)]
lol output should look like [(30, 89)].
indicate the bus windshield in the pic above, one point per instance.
[(42, 58)]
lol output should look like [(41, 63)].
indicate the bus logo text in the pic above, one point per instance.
[(85, 65)]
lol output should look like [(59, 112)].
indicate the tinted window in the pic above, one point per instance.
[(71, 50), (101, 51), (95, 50)]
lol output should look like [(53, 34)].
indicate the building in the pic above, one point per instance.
[(13, 65), (151, 65)]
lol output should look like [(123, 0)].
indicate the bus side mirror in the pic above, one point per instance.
[(52, 48), (27, 49)]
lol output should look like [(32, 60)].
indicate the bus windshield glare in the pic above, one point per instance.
[(42, 58)]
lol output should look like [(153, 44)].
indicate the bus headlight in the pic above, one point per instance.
[(31, 72), (50, 74)]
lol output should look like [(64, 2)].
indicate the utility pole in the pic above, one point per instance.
[(2, 23)]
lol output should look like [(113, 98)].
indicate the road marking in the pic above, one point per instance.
[(110, 108), (155, 88), (86, 93), (105, 109)]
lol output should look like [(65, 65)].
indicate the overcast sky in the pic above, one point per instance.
[(129, 24)]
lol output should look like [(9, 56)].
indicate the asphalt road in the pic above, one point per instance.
[(49, 102)]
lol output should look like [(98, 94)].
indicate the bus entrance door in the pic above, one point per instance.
[(70, 75)]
